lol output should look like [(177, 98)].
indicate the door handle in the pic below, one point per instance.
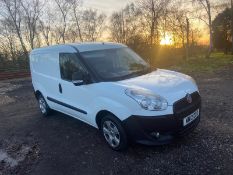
[(60, 88)]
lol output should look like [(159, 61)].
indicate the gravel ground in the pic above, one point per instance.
[(30, 144)]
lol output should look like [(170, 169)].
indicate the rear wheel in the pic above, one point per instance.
[(44, 108), (114, 133)]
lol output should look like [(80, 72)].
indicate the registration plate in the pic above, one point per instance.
[(190, 117)]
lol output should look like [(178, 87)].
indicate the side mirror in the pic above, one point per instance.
[(80, 78)]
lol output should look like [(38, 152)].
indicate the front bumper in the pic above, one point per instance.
[(142, 129)]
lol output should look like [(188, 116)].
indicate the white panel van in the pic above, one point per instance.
[(111, 88)]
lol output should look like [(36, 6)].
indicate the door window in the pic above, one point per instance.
[(69, 64)]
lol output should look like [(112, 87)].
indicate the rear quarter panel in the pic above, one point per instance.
[(45, 73)]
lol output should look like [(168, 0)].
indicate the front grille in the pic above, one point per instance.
[(183, 107)]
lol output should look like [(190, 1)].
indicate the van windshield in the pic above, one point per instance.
[(119, 63)]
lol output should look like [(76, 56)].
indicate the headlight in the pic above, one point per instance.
[(147, 100)]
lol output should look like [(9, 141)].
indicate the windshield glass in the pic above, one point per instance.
[(116, 63)]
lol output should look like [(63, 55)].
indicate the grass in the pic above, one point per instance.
[(200, 64)]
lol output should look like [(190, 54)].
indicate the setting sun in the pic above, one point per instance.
[(166, 40)]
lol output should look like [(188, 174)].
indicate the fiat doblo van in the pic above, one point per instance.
[(110, 87)]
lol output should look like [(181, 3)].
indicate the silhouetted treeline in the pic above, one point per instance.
[(27, 24)]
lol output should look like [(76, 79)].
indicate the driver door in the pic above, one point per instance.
[(74, 98)]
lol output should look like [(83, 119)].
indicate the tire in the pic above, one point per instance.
[(44, 108), (113, 133)]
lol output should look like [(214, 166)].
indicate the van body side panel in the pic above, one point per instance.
[(45, 75)]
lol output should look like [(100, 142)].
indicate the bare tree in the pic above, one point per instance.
[(46, 24), (92, 24), (8, 39), (187, 29), (180, 19), (75, 6), (153, 10), (207, 8), (179, 26), (45, 30), (64, 8), (32, 12), (231, 27), (125, 25), (13, 12), (117, 27), (72, 34)]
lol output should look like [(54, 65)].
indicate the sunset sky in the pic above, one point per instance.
[(110, 6), (107, 6)]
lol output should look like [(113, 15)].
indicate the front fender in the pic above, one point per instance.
[(103, 103)]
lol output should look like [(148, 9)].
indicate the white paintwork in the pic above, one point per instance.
[(82, 47), (110, 96)]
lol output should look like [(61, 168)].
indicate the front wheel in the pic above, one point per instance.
[(114, 133), (44, 108)]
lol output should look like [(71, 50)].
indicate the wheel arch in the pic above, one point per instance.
[(37, 93), (100, 115), (104, 106)]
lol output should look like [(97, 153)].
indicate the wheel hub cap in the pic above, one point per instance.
[(42, 105), (111, 133)]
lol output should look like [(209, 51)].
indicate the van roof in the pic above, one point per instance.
[(82, 47)]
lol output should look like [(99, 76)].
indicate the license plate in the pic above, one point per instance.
[(190, 117)]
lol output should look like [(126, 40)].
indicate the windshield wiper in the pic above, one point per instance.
[(145, 70), (137, 73)]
